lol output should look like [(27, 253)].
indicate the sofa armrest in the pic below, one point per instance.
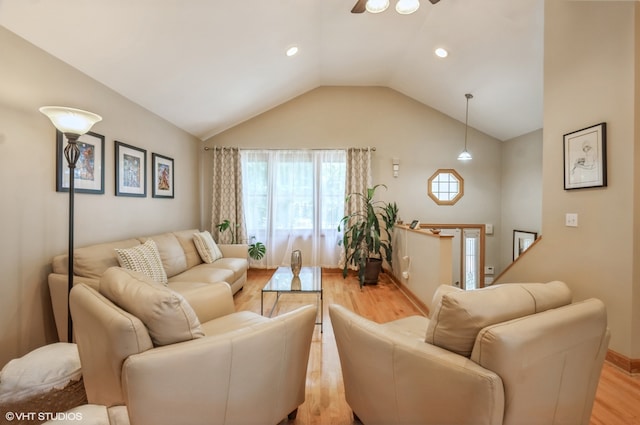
[(391, 377), (239, 250), (209, 301), (256, 374), (106, 335)]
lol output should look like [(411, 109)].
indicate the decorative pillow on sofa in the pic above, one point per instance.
[(458, 316), (145, 259), (166, 314), (206, 246)]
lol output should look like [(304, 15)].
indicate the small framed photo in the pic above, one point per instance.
[(131, 170), (522, 240), (89, 171), (162, 176), (585, 157)]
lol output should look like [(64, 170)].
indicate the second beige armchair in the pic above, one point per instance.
[(513, 354), (188, 360)]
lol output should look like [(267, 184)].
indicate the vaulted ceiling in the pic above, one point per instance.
[(207, 65)]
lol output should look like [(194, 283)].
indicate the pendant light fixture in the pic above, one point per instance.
[(464, 155)]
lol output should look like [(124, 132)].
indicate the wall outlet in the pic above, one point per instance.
[(571, 220)]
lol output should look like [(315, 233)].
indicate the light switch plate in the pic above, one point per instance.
[(571, 220)]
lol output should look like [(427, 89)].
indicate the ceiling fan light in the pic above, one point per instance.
[(406, 7), (377, 6)]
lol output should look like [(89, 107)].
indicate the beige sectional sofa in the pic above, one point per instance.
[(181, 261)]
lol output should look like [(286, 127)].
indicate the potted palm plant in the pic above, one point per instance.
[(367, 241), (256, 249)]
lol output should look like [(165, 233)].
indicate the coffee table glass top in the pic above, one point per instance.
[(310, 280)]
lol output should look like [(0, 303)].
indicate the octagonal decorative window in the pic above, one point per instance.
[(445, 186)]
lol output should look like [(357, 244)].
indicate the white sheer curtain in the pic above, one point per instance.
[(294, 199)]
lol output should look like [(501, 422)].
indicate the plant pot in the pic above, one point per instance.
[(372, 271)]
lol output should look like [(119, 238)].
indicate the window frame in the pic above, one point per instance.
[(435, 197)]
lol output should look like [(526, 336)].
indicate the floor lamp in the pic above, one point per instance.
[(73, 123)]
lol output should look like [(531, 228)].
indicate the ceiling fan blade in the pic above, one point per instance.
[(434, 1), (359, 7)]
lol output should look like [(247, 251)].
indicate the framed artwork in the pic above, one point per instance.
[(585, 157), (89, 171), (522, 240), (162, 176), (131, 170)]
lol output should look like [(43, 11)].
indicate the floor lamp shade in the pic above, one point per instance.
[(73, 123), (70, 120)]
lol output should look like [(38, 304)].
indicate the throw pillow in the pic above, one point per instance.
[(145, 259), (166, 314), (207, 247)]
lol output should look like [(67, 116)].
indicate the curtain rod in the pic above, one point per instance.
[(206, 148)]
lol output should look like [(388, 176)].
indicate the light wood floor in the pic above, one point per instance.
[(617, 400)]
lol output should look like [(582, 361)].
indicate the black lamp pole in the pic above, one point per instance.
[(73, 123), (71, 153)]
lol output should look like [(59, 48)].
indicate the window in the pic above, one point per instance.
[(445, 187), (471, 263), (294, 199)]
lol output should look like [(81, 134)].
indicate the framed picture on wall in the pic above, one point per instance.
[(131, 170), (89, 171), (522, 240), (162, 176), (585, 157)]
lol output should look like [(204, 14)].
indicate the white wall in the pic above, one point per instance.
[(34, 217)]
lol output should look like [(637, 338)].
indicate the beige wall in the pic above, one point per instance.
[(33, 217), (521, 191), (591, 69), (422, 138)]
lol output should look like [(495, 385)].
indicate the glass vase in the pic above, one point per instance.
[(296, 262)]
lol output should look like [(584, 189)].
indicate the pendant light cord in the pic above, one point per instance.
[(466, 120)]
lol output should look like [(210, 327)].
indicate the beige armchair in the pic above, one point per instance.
[(188, 359), (508, 354)]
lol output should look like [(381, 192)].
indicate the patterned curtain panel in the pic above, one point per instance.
[(358, 180), (358, 177), (227, 195)]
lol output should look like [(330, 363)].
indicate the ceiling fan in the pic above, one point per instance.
[(361, 5)]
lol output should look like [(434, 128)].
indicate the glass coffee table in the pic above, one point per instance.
[(283, 282)]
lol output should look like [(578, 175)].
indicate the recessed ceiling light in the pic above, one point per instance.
[(291, 51), (441, 53)]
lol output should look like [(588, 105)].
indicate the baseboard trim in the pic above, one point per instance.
[(407, 292), (623, 362)]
